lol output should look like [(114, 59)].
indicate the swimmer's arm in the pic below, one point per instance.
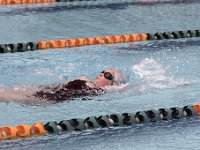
[(11, 97), (13, 93)]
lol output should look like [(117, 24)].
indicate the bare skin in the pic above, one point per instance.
[(24, 92)]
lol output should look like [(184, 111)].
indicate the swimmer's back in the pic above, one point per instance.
[(73, 89)]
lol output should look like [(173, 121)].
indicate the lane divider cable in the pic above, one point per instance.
[(113, 39), (103, 121), (15, 2)]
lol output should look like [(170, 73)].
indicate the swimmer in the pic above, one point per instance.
[(80, 87)]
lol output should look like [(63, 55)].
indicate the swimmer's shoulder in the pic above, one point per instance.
[(83, 78), (90, 83)]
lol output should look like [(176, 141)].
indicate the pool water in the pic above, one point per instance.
[(161, 73)]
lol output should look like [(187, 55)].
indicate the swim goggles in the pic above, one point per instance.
[(107, 75)]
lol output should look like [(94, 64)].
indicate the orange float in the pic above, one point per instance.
[(6, 2), (124, 38), (145, 37), (98, 40), (23, 130), (52, 1), (88, 41), (24, 1), (79, 42), (1, 137), (141, 37), (42, 45), (132, 38), (111, 39), (107, 39), (41, 1), (37, 129), (138, 37), (116, 39), (8, 132), (10, 2), (197, 108), (56, 44), (70, 43)]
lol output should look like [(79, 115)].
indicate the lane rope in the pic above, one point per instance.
[(103, 121), (113, 39), (15, 2)]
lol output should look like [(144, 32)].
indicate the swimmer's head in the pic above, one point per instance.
[(119, 78), (110, 77)]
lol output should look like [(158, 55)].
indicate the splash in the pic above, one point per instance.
[(155, 76), (117, 88)]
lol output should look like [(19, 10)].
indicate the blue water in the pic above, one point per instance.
[(161, 73)]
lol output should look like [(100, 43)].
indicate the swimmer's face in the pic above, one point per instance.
[(105, 78)]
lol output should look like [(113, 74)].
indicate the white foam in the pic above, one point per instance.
[(120, 87), (155, 75)]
